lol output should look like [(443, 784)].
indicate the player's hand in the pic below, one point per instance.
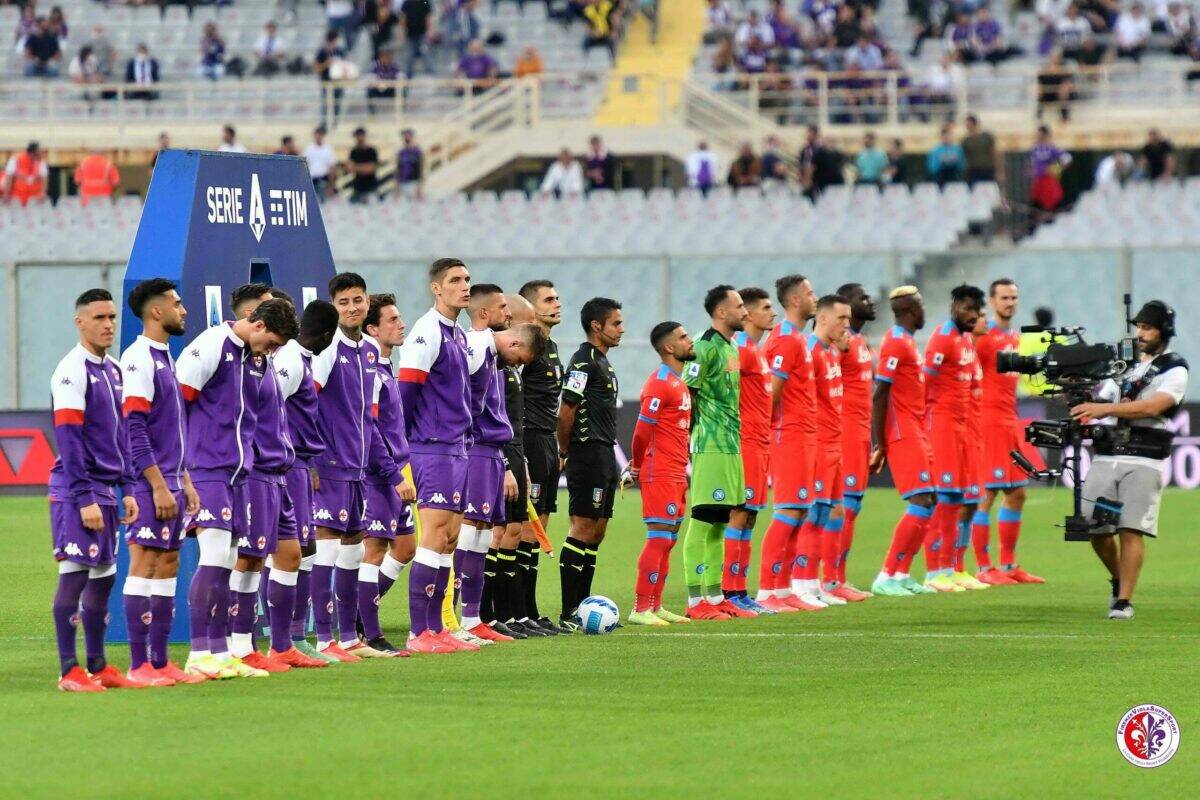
[(562, 463), (1090, 411), (131, 509), (165, 505), (192, 497), (511, 490), (878, 459), (629, 476), (92, 517), (407, 492), (316, 479)]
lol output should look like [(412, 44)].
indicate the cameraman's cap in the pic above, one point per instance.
[(1156, 314), (903, 291)]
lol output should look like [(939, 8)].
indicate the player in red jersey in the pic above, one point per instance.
[(898, 428), (793, 442), (755, 409), (857, 377), (660, 462), (1002, 433), (949, 370), (972, 484)]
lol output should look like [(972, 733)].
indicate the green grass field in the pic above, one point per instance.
[(1010, 693)]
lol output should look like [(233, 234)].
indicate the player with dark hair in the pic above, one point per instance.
[(793, 442), (857, 378), (293, 369), (717, 482), (950, 369), (153, 407), (587, 433), (435, 392), (898, 428), (659, 461), (246, 298), (93, 459), (754, 407), (542, 388), (279, 294)]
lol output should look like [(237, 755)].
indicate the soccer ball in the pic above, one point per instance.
[(598, 614)]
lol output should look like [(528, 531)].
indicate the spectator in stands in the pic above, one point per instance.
[(1046, 163), (754, 25), (27, 26), (1132, 33), (871, 162), (106, 54), (321, 163), (142, 70), (384, 72), (229, 141), (270, 51), (1178, 24), (164, 144), (1072, 31), (478, 67), (864, 55), (984, 163), (1158, 157), (773, 167), (599, 166), (943, 83), (1101, 13), (989, 40), (464, 26), (1049, 12), (84, 69), (564, 178), (287, 147), (415, 15), (931, 17), (1115, 170), (331, 52), (702, 168), (960, 39), (602, 17), (529, 63), (1056, 86), (25, 175), (96, 176), (410, 168), (897, 168), (58, 25), (790, 36), (725, 66), (720, 21), (947, 162), (846, 29), (820, 164), (342, 16), (746, 170), (363, 164), (1090, 53), (754, 57), (42, 53), (381, 25), (212, 53)]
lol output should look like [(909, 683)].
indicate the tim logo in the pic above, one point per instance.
[(1148, 736)]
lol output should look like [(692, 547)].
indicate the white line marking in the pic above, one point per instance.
[(885, 635)]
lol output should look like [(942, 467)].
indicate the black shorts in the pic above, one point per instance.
[(592, 480), (517, 510), (541, 453)]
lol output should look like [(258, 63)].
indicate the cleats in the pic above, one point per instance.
[(846, 594), (77, 680), (429, 643), (1123, 609), (968, 581), (1021, 576), (256, 660), (796, 603), (543, 623), (465, 636), (241, 669), (776, 605), (726, 606), (484, 631), (670, 616), (110, 678), (148, 675), (503, 629), (208, 667), (451, 639), (292, 657), (172, 671), (384, 646), (705, 610), (568, 626), (364, 650), (854, 588), (744, 603), (994, 577), (307, 649), (810, 599), (831, 598), (335, 651), (914, 586), (529, 628), (943, 583), (890, 587), (646, 618)]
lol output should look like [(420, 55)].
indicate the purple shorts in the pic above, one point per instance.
[(299, 491), (340, 505), (75, 543), (269, 517), (221, 506), (148, 531), (387, 515), (441, 480), (485, 486)]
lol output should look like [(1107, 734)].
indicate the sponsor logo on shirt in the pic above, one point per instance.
[(655, 403), (577, 381), (229, 357)]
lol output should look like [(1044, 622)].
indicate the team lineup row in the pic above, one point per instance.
[(290, 450)]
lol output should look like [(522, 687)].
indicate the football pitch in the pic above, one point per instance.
[(1012, 692)]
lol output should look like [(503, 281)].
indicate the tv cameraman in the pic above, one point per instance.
[(1127, 467)]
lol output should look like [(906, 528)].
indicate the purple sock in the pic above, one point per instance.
[(66, 616), (94, 613), (244, 611), (346, 593), (422, 580), (218, 623), (469, 571), (368, 609), (433, 613), (281, 602), (458, 562), (322, 602), (200, 608), (301, 606), (162, 614), (137, 621)]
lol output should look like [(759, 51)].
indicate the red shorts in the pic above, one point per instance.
[(792, 467), (997, 467), (827, 477), (664, 502), (950, 461), (856, 456), (909, 461), (756, 468)]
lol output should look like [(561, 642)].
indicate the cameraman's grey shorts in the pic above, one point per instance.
[(1138, 487)]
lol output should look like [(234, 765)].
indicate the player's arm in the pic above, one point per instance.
[(781, 358), (643, 431), (417, 356), (68, 395), (137, 374), (574, 385), (196, 365), (889, 359), (1173, 389)]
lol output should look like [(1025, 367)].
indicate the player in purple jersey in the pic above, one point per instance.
[(434, 391), (154, 415), (389, 544), (215, 375), (346, 377), (93, 459)]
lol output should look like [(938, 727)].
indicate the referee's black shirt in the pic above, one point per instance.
[(591, 384), (542, 384)]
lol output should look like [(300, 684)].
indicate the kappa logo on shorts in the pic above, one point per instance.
[(652, 577), (925, 475), (329, 606), (244, 542), (323, 513), (72, 549), (671, 509), (227, 513), (947, 477), (535, 490), (597, 497), (438, 497), (470, 509), (851, 480), (144, 532), (376, 526), (205, 516), (343, 515), (93, 550), (718, 495)]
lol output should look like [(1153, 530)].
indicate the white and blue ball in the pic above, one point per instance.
[(598, 614)]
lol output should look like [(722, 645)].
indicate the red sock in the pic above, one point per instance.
[(939, 537), (847, 541), (664, 567), (831, 551), (1008, 523), (773, 565), (906, 539), (650, 575), (808, 550), (743, 558), (981, 533)]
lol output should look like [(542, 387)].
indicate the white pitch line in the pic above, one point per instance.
[(885, 635)]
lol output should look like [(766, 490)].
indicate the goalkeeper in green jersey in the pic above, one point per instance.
[(717, 481)]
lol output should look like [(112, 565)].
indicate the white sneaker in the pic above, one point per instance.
[(1121, 613), (464, 635), (812, 599), (830, 599)]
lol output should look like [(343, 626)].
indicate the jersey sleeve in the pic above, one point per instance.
[(418, 354), (288, 367), (68, 395), (575, 382), (197, 364), (890, 353), (698, 369), (137, 373), (653, 396), (782, 355), (937, 353), (322, 365), (479, 344)]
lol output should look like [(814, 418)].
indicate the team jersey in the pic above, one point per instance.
[(857, 379), (543, 383), (661, 440), (293, 370), (950, 368), (89, 430), (489, 420), (900, 366), (154, 414), (590, 384), (974, 417), (434, 385), (827, 378), (715, 377), (345, 376), (273, 451), (796, 416), (999, 401)]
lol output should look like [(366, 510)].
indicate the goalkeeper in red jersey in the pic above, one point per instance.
[(659, 464)]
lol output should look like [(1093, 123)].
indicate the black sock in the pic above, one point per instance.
[(1121, 604), (95, 664), (509, 586), (487, 612), (589, 570), (527, 574), (571, 560), (1116, 587)]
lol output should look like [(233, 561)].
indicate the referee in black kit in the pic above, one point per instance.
[(587, 433)]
